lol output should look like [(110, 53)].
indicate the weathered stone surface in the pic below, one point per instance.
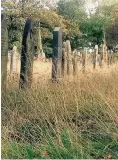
[(14, 60), (109, 56), (68, 45), (64, 60), (69, 58), (83, 60), (57, 54), (100, 57), (95, 54), (75, 63), (106, 55), (26, 71), (38, 41), (4, 51)]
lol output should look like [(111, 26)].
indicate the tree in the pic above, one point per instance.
[(74, 13), (97, 25), (18, 11)]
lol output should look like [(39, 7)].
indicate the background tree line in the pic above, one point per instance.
[(80, 27)]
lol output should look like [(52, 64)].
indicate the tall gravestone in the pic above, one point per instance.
[(26, 70), (57, 54), (14, 60), (4, 51)]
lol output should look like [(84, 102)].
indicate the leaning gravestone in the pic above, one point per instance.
[(14, 60), (4, 51), (26, 71), (57, 54)]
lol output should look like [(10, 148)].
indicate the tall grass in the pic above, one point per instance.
[(67, 119)]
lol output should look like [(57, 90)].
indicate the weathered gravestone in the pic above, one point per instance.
[(75, 62), (69, 58), (104, 53), (57, 54), (39, 54), (26, 71), (83, 60), (100, 56), (14, 60), (4, 51), (64, 60), (95, 54), (110, 56)]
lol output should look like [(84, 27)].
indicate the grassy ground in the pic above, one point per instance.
[(64, 120)]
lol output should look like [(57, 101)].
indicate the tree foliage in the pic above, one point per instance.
[(79, 27)]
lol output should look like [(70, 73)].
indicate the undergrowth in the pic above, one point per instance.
[(63, 120)]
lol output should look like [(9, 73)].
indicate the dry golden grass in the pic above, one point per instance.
[(86, 105)]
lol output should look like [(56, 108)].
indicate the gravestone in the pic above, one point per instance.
[(95, 54), (75, 63), (14, 60), (83, 60), (106, 55), (64, 60), (68, 47), (103, 52), (57, 54), (100, 56), (110, 56), (26, 70), (94, 59), (39, 54), (4, 51), (69, 58)]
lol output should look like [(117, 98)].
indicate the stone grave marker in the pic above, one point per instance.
[(83, 60), (95, 54), (75, 62), (4, 51), (64, 60), (69, 58), (14, 60), (57, 54), (26, 70)]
